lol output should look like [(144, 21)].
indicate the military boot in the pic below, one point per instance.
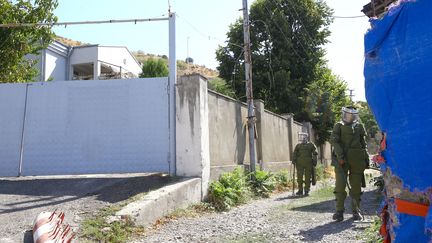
[(299, 192), (338, 216), (357, 216)]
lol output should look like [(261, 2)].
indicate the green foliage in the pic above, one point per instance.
[(230, 190), (15, 43), (287, 39), (289, 69), (235, 187), (219, 85), (154, 68), (324, 193), (371, 234), (320, 173), (98, 229), (367, 118), (262, 183), (283, 180), (192, 211), (324, 102), (181, 65)]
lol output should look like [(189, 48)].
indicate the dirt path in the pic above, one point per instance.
[(281, 218)]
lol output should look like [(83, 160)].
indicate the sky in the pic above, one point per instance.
[(201, 26)]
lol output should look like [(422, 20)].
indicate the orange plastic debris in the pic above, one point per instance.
[(415, 209)]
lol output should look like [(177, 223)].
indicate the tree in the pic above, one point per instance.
[(367, 118), (286, 44), (16, 43), (324, 102), (154, 68), (289, 71), (219, 85)]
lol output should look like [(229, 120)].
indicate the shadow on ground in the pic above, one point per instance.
[(37, 193), (318, 233), (370, 203), (288, 198)]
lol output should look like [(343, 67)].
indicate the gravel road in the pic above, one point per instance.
[(281, 218)]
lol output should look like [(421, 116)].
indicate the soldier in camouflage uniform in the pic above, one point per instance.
[(304, 159), (350, 159)]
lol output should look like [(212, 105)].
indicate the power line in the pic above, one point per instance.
[(196, 29), (302, 24), (283, 33), (269, 50), (348, 17), (289, 24), (233, 73), (204, 35), (113, 21)]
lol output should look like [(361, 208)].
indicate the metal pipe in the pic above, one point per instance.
[(23, 132)]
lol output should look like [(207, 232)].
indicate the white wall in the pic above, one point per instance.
[(55, 66), (117, 55), (192, 129), (84, 55)]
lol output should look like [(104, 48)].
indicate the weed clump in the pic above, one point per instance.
[(230, 190), (237, 187)]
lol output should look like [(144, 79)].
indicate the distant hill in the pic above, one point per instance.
[(69, 42), (183, 68)]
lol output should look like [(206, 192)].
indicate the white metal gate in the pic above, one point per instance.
[(12, 102), (83, 127)]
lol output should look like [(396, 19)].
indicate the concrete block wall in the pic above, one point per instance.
[(273, 140), (229, 146), (212, 133)]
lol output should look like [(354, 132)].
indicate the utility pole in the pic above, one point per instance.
[(187, 50), (249, 92), (351, 95)]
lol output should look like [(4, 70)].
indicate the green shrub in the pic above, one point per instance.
[(96, 228), (181, 65), (230, 190), (321, 173), (219, 85), (282, 180), (154, 68), (371, 234), (319, 170), (262, 183)]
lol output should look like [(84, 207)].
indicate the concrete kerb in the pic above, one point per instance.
[(159, 203)]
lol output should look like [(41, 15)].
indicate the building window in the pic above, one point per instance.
[(82, 71)]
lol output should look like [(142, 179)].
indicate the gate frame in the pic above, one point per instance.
[(171, 89), (172, 82)]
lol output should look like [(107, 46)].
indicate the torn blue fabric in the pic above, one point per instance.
[(398, 83)]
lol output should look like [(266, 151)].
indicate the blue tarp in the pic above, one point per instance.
[(398, 82)]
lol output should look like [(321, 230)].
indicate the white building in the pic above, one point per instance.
[(63, 62)]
